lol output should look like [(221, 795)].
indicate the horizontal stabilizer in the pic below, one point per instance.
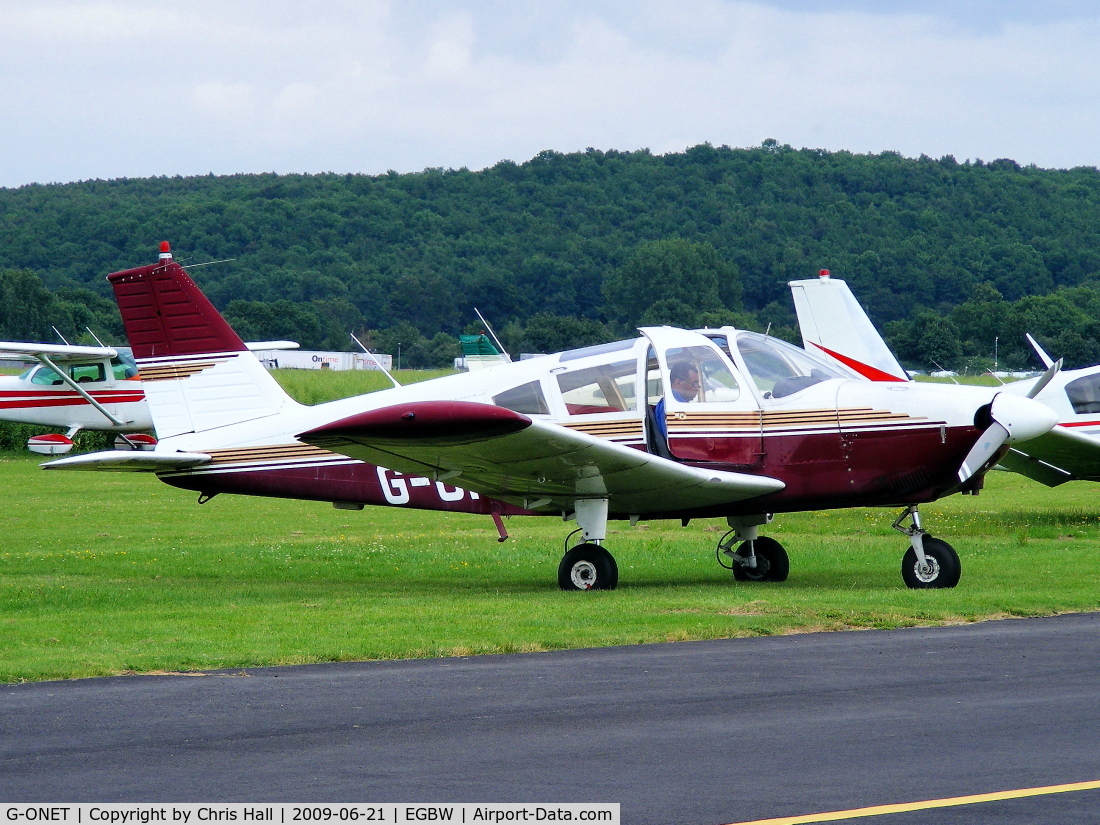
[(128, 461)]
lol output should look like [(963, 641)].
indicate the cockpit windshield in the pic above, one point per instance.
[(780, 369), (123, 365)]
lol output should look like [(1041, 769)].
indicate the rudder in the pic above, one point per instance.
[(196, 371)]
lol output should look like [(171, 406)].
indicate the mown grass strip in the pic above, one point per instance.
[(108, 574)]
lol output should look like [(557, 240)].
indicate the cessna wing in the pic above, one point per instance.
[(496, 452), (52, 352), (64, 352)]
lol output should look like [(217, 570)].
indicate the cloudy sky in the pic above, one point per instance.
[(133, 88)]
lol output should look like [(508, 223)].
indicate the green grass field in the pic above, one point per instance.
[(108, 574), (119, 573)]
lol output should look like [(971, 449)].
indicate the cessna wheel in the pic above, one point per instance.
[(943, 567), (588, 567), (772, 564)]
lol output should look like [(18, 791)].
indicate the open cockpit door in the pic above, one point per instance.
[(699, 407)]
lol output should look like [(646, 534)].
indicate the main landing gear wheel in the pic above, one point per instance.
[(588, 567), (942, 567), (772, 564)]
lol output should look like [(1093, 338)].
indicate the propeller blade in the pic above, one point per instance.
[(1045, 378), (1013, 419), (990, 441)]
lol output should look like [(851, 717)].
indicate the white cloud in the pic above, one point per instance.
[(362, 86)]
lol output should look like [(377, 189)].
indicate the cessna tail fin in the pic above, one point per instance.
[(836, 326), (196, 372)]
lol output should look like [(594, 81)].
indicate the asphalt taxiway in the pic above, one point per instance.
[(697, 732)]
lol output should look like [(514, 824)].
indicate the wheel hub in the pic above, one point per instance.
[(583, 575), (927, 572)]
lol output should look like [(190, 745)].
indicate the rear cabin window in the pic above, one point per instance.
[(526, 398), (607, 388), (87, 373)]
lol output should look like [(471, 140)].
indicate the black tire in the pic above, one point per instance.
[(588, 567), (944, 568), (772, 564)]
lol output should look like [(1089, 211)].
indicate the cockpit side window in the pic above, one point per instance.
[(606, 388), (1084, 394), (700, 374), (123, 366), (526, 398), (46, 377)]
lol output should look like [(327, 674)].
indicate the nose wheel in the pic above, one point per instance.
[(941, 567), (762, 559), (588, 567), (929, 562)]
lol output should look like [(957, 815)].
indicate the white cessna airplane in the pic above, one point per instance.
[(81, 388), (75, 388)]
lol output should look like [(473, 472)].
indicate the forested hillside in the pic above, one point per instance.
[(564, 250)]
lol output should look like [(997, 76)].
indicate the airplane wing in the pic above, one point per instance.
[(55, 352), (508, 456), (1059, 456), (65, 352), (128, 461)]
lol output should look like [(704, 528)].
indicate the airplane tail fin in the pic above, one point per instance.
[(196, 372), (836, 326)]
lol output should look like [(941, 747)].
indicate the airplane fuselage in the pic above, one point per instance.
[(837, 442), (57, 405)]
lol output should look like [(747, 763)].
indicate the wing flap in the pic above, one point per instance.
[(509, 456)]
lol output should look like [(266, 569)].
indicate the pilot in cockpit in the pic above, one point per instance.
[(684, 380)]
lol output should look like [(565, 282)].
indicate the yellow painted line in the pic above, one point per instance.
[(904, 807)]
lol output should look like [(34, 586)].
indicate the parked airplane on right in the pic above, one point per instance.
[(834, 325)]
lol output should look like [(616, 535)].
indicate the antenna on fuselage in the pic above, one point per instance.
[(95, 337), (374, 358), (57, 332), (941, 369), (500, 346)]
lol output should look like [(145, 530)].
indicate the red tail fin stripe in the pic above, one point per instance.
[(866, 370)]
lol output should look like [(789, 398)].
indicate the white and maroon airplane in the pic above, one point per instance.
[(672, 425), (834, 325)]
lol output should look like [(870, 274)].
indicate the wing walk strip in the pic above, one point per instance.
[(905, 807), (274, 457)]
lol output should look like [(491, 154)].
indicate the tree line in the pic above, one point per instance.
[(953, 260)]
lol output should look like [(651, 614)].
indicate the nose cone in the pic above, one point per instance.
[(1022, 417)]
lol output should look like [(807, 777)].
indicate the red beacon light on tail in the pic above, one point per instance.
[(165, 251), (823, 274)]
